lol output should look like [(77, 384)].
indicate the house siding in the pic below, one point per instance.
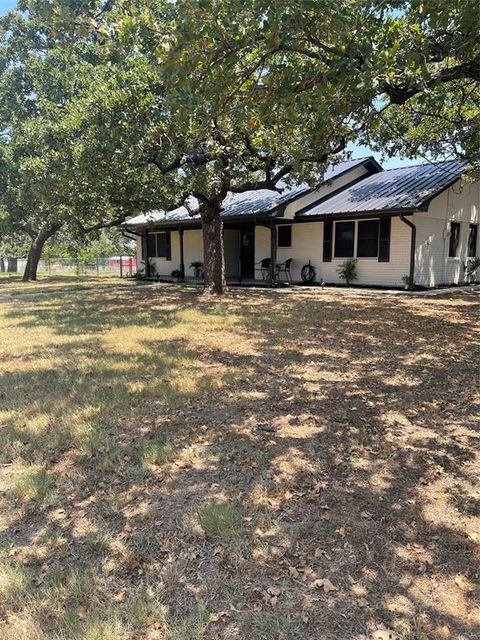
[(336, 183), (459, 203), (307, 245), (433, 267)]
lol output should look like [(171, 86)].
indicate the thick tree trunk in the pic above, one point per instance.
[(12, 265), (213, 257), (2, 265), (35, 252)]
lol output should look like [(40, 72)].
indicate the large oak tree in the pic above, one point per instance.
[(56, 169)]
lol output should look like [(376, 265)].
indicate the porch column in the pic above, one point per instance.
[(182, 262), (273, 253), (145, 254)]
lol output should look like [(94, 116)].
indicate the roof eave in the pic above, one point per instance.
[(359, 214)]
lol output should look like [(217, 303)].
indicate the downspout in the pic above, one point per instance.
[(413, 244)]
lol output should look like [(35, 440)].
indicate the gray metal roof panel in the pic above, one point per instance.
[(249, 203), (405, 188)]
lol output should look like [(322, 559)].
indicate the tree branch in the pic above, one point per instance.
[(400, 93)]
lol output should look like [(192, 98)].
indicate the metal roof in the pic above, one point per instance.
[(406, 188), (251, 203)]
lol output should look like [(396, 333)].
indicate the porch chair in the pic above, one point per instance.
[(284, 267), (264, 267)]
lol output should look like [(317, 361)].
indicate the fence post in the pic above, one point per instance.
[(96, 260), (49, 267), (130, 267), (121, 267)]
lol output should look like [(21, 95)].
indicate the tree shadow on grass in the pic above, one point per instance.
[(332, 424)]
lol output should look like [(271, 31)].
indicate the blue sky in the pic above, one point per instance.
[(358, 151)]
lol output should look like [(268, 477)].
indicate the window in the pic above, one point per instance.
[(285, 235), (151, 245), (159, 245), (344, 234), (454, 239), (367, 240), (472, 241)]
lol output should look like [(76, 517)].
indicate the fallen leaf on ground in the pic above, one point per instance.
[(325, 584)]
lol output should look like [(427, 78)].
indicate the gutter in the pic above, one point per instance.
[(413, 243)]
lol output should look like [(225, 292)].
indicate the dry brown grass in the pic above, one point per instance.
[(270, 466)]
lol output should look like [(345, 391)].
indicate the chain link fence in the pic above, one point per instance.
[(118, 265)]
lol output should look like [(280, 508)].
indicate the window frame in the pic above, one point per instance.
[(357, 244), (454, 239), (153, 242), (353, 225), (285, 228), (472, 247)]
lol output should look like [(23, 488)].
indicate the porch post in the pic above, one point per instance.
[(273, 253), (145, 254), (182, 262)]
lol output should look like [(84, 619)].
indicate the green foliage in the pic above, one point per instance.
[(220, 520), (197, 267), (156, 451), (472, 267), (348, 270)]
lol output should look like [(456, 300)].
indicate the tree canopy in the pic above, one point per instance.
[(113, 106), (56, 172)]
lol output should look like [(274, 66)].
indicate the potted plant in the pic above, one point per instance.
[(176, 275), (348, 271), (408, 283), (197, 268)]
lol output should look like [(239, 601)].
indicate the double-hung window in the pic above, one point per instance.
[(159, 245)]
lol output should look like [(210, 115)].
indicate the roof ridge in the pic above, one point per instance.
[(426, 163)]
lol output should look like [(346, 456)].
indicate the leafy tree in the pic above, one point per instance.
[(415, 63), (208, 120), (245, 95), (55, 172)]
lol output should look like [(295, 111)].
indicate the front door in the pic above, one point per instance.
[(247, 251)]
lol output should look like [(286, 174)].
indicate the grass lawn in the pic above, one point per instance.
[(270, 466), (11, 284)]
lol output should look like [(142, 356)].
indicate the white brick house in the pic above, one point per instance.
[(420, 221)]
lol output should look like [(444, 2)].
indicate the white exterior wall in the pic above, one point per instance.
[(307, 245), (333, 185), (192, 251), (460, 203)]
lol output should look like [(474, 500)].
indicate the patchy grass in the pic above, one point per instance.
[(156, 451), (288, 465), (220, 520), (11, 284), (31, 483)]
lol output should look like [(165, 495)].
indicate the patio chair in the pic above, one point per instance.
[(284, 267), (264, 267)]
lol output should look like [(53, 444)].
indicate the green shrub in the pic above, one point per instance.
[(348, 270)]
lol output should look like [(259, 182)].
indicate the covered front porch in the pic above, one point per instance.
[(250, 248)]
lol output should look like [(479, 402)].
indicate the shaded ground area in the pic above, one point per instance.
[(271, 466)]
